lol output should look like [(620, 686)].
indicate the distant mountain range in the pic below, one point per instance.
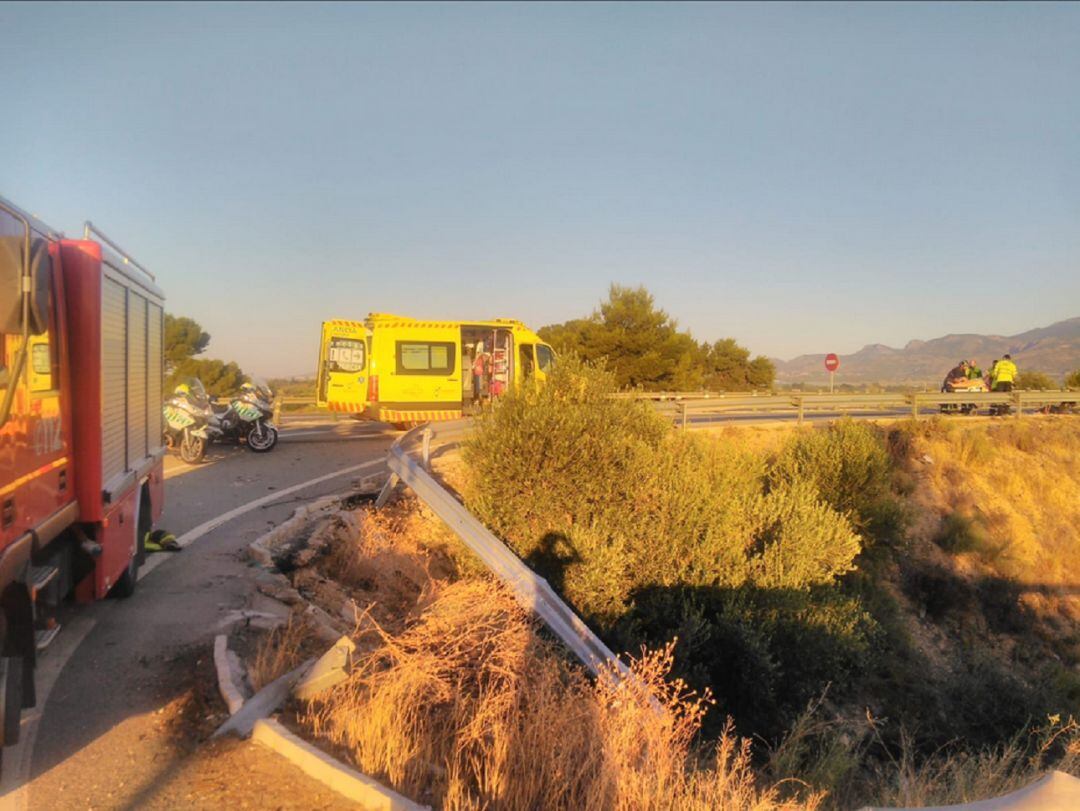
[(1054, 350)]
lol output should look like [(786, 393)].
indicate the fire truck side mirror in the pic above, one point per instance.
[(41, 272), (12, 272), (11, 276)]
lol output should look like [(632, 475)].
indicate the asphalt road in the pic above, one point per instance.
[(93, 741)]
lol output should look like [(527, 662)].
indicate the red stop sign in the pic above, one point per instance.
[(832, 362)]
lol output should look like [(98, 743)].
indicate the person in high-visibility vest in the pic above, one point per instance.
[(973, 370), (1004, 374)]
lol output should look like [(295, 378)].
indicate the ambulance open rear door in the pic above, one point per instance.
[(342, 380)]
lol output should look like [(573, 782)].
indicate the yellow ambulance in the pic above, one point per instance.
[(405, 371)]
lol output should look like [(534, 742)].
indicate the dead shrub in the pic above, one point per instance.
[(387, 565), (278, 652), (470, 708)]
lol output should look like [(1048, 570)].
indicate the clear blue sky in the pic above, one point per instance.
[(801, 177)]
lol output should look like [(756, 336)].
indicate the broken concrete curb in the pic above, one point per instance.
[(234, 700), (262, 547), (348, 782), (263, 703)]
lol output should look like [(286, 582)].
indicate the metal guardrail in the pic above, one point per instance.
[(531, 590), (279, 402), (797, 405)]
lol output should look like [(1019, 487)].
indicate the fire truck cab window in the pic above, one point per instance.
[(424, 358)]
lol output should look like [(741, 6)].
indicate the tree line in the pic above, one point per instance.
[(643, 348), (184, 339)]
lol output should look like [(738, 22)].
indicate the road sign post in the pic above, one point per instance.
[(832, 363)]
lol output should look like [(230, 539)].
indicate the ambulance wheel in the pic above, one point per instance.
[(11, 690), (264, 440), (192, 449)]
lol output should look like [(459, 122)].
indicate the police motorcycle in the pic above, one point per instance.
[(190, 424), (247, 417)]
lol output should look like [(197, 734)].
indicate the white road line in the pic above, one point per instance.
[(16, 778), (193, 535)]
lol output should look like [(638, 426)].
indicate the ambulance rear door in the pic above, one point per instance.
[(342, 380)]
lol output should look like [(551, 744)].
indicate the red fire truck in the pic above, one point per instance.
[(81, 475)]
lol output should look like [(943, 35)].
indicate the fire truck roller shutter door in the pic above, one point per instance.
[(154, 376), (137, 438), (114, 379)]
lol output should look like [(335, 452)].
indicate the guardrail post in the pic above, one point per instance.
[(1018, 400), (427, 448), (277, 411), (387, 490), (915, 406), (682, 411)]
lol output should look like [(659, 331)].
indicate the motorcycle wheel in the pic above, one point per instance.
[(192, 449), (264, 440)]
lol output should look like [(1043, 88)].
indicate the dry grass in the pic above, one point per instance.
[(470, 708), (1019, 485), (394, 565), (278, 652), (952, 777)]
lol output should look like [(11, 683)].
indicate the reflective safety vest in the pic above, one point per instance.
[(1005, 371)]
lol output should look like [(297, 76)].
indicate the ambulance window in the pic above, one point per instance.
[(416, 358), (526, 353), (545, 358), (345, 355)]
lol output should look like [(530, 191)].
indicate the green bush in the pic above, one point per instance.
[(804, 542), (602, 496), (563, 455), (1073, 381), (764, 653), (1035, 381), (849, 465), (960, 533)]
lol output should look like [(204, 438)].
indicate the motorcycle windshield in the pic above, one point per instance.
[(262, 389), (197, 393)]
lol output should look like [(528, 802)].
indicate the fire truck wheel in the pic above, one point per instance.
[(11, 690), (125, 586)]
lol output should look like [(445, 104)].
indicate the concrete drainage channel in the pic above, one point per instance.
[(301, 538)]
